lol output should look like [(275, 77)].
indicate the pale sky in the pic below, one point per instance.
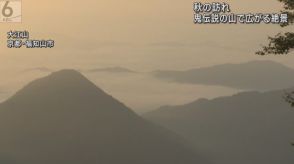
[(140, 35)]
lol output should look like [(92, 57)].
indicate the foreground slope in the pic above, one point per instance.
[(251, 127), (65, 119)]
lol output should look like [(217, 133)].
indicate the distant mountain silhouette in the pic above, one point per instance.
[(247, 128), (254, 75), (112, 70), (65, 119)]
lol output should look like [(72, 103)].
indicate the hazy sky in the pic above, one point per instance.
[(140, 35)]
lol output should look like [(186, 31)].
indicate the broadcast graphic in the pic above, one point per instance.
[(10, 11)]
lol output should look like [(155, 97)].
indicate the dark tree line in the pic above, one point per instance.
[(289, 97)]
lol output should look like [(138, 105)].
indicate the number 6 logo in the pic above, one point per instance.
[(6, 10)]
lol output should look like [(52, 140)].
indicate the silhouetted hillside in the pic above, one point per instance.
[(255, 75), (65, 119), (247, 128)]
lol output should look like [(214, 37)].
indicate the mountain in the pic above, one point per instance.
[(112, 70), (254, 75), (249, 127), (65, 119)]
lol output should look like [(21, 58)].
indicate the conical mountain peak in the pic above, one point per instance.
[(65, 119), (68, 88)]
